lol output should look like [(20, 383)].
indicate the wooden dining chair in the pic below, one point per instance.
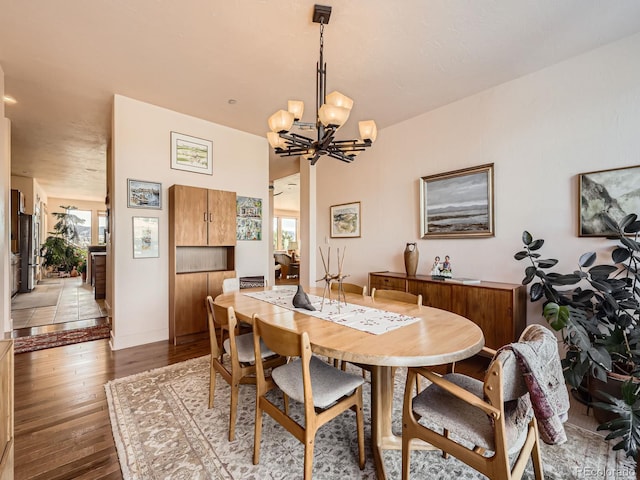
[(230, 285), (350, 288), (324, 390), (493, 416), (397, 295), (240, 368)]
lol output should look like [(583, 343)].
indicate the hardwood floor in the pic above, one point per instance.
[(62, 427)]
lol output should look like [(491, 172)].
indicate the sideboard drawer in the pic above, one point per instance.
[(387, 283)]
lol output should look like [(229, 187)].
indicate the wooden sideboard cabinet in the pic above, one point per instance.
[(99, 274), (499, 309), (202, 239), (6, 409)]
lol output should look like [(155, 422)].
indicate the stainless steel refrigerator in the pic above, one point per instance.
[(28, 254)]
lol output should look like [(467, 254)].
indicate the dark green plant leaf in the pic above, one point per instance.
[(631, 244), (522, 254), (536, 244), (633, 227), (560, 279), (610, 223), (627, 220), (600, 286), (602, 271), (582, 296), (548, 263), (526, 238), (620, 255), (536, 292), (530, 273), (587, 259)]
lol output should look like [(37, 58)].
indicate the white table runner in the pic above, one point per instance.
[(365, 319)]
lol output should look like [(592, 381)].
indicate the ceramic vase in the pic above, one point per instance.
[(411, 256)]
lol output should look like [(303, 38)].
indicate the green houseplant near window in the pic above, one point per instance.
[(597, 309), (59, 250)]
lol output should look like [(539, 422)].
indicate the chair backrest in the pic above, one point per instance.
[(279, 340), (230, 285), (513, 383), (350, 288), (504, 367), (223, 319), (282, 258), (397, 295)]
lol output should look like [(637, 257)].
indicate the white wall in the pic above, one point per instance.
[(540, 131), (141, 150), (5, 199)]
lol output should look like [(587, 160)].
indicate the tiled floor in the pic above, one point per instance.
[(75, 303)]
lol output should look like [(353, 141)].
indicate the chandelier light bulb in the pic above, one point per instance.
[(296, 107), (332, 116), (281, 121), (368, 130), (339, 100), (275, 140)]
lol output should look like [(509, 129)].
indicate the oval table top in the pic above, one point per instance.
[(439, 337)]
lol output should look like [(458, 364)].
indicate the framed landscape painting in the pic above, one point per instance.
[(457, 204), (191, 154), (143, 194), (345, 220), (615, 191)]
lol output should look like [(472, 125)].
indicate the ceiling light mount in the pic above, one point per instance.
[(332, 111)]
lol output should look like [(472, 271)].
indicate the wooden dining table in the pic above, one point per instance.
[(439, 337)]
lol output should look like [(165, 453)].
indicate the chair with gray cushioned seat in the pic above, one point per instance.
[(468, 418), (324, 390), (240, 367)]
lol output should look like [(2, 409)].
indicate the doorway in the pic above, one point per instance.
[(286, 229)]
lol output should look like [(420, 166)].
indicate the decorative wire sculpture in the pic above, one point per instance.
[(328, 277)]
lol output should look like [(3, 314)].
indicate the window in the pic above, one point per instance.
[(83, 223), (102, 228), (285, 230)]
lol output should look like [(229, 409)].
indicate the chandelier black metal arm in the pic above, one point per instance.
[(332, 112)]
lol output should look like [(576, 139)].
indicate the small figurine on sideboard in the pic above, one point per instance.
[(446, 266), (435, 270)]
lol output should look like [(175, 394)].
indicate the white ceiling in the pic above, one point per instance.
[(63, 60), (286, 193)]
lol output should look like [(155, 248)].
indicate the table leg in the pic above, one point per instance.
[(382, 437), (381, 408)]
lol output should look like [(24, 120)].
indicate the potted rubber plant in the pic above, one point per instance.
[(597, 310)]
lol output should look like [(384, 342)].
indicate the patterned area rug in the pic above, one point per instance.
[(163, 429), (57, 339)]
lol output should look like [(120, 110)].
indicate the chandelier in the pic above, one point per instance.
[(332, 111)]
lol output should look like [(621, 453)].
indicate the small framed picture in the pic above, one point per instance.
[(457, 204), (142, 194), (613, 191), (345, 220), (191, 154), (145, 237)]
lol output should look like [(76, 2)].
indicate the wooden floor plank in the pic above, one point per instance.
[(62, 426)]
